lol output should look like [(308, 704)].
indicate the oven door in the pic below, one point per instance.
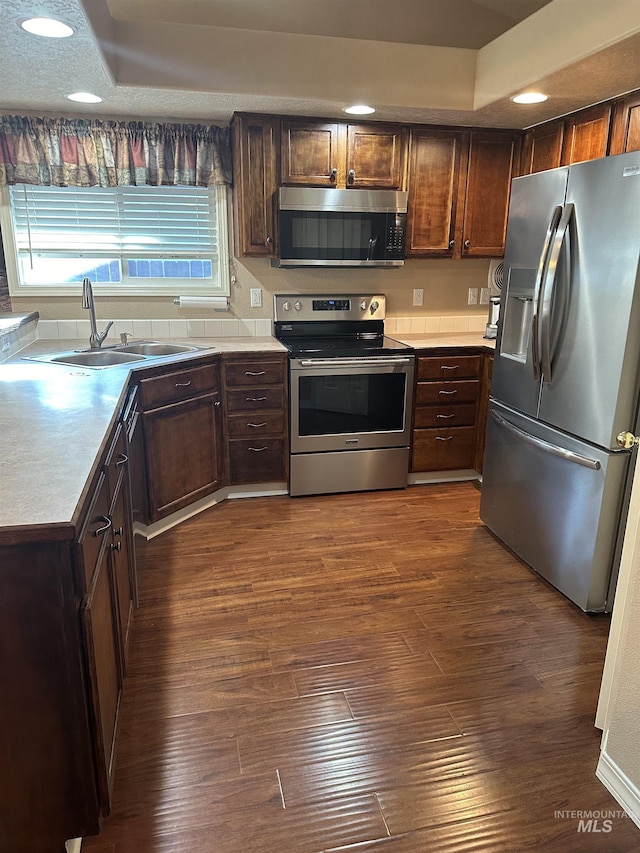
[(350, 403)]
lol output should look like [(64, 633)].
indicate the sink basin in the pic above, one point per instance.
[(96, 358), (155, 348)]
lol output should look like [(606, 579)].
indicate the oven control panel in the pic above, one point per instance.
[(329, 307)]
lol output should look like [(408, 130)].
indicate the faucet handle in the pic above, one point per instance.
[(124, 336)]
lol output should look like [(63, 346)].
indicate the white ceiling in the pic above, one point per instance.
[(431, 61)]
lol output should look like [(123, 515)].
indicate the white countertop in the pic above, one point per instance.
[(445, 339), (54, 422)]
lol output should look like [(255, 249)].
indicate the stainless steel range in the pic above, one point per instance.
[(351, 391)]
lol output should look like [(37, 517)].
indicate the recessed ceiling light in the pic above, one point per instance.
[(85, 98), (47, 27), (529, 98), (359, 110)]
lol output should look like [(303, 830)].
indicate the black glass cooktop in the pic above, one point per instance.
[(343, 346)]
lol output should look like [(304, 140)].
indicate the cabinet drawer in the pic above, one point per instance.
[(428, 393), (445, 416), (450, 367), (95, 530), (257, 461), (246, 426), (258, 372), (443, 449), (249, 399), (178, 385)]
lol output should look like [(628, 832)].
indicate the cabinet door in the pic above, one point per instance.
[(122, 565), (586, 135), (183, 454), (492, 159), (434, 172), (542, 148), (99, 616), (255, 185), (375, 156), (625, 130), (313, 153)]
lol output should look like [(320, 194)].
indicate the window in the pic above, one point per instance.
[(130, 241)]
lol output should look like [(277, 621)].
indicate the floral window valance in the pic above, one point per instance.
[(89, 153)]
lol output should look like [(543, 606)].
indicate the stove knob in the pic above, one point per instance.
[(297, 306), (363, 305), (374, 306), (286, 306)]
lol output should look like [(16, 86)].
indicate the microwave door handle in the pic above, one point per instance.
[(549, 290), (372, 246), (539, 289)]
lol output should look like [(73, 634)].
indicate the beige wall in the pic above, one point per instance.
[(445, 284)]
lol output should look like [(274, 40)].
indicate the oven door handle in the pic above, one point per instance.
[(355, 362)]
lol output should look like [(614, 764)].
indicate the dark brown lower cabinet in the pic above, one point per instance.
[(444, 449), (256, 403), (183, 456)]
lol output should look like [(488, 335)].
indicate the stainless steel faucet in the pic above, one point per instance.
[(95, 338)]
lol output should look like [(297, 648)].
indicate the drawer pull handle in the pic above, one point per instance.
[(255, 399), (107, 525), (257, 426), (122, 460), (445, 417), (257, 449), (183, 384), (448, 393), (217, 403), (449, 367), (444, 438), (255, 373)]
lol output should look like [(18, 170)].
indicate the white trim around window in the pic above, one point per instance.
[(156, 250)]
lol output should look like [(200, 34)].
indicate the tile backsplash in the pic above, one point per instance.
[(53, 329)]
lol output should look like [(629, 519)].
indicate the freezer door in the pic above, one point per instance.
[(555, 501), (595, 304), (534, 212)]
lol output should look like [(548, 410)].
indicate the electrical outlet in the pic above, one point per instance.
[(256, 297), (485, 293), (418, 296), (473, 296)]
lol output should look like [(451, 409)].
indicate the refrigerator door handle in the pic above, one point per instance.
[(548, 291), (538, 290), (553, 449)]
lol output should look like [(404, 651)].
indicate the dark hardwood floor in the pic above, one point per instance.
[(364, 672)]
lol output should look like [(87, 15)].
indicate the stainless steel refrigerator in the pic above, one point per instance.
[(566, 374)]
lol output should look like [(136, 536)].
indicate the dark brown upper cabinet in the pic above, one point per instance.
[(625, 125), (434, 179), (333, 154), (255, 185), (493, 159)]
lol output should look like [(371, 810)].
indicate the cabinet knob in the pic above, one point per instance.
[(118, 531), (452, 244), (117, 546), (352, 175), (467, 244), (334, 173), (269, 241)]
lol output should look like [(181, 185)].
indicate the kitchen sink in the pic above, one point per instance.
[(98, 359), (155, 348)]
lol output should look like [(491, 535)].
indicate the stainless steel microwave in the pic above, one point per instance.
[(341, 228)]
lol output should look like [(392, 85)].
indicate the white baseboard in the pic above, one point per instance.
[(424, 477), (619, 785), (250, 490)]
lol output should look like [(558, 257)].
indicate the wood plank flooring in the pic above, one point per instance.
[(368, 672)]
